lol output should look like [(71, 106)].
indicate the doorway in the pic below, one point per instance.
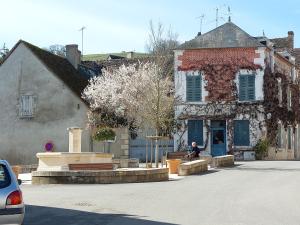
[(218, 137)]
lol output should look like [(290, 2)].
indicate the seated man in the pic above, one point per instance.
[(195, 151)]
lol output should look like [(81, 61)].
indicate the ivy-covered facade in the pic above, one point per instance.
[(234, 90)]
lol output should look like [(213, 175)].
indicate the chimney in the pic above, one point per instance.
[(291, 39), (199, 34), (129, 55), (73, 55)]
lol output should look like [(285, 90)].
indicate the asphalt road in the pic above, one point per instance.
[(251, 193)]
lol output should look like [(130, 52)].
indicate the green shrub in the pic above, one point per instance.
[(261, 148), (104, 134)]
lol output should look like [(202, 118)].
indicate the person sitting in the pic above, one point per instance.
[(195, 151)]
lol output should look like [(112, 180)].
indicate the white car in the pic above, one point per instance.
[(12, 208)]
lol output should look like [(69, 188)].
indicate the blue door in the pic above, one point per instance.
[(218, 141)]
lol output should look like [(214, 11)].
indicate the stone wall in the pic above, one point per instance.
[(100, 177)]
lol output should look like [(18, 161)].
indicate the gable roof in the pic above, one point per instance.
[(281, 43), (115, 57), (59, 66), (296, 54), (114, 63), (227, 35)]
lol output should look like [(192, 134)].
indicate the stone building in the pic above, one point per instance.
[(235, 89), (40, 97)]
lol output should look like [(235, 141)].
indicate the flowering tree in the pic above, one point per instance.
[(141, 94)]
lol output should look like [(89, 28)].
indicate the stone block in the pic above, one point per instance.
[(124, 137), (126, 152), (193, 167), (124, 147), (223, 161)]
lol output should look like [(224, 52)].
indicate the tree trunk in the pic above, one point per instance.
[(156, 149)]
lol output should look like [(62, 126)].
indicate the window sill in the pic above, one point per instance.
[(26, 117), (196, 103), (243, 147), (248, 101)]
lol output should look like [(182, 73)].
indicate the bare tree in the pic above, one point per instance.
[(159, 41), (57, 49), (3, 52)]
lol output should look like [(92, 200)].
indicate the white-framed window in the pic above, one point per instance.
[(193, 87), (247, 87), (27, 106)]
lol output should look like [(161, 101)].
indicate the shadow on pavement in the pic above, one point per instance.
[(40, 215), (210, 171)]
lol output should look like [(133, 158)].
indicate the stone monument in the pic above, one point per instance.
[(60, 161)]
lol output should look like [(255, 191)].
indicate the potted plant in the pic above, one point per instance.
[(261, 148), (104, 134)]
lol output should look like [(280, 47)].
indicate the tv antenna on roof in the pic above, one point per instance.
[(229, 14), (218, 10), (201, 18), (81, 29)]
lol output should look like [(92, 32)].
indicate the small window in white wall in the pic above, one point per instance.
[(27, 106)]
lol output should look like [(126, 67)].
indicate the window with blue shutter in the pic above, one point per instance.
[(241, 133), (195, 132), (247, 87), (193, 88)]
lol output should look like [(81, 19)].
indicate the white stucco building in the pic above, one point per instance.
[(221, 78), (40, 97)]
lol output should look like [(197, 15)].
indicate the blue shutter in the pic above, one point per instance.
[(247, 87), (195, 132), (241, 133), (193, 88), (189, 88), (197, 91), (242, 87), (251, 87)]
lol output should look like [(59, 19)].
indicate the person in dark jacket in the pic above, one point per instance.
[(195, 152), (195, 149)]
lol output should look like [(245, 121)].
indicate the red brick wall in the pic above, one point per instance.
[(215, 56)]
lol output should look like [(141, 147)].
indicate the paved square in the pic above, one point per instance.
[(260, 193)]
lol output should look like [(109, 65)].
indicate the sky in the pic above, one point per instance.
[(123, 25)]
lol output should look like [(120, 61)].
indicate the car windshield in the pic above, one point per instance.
[(4, 176)]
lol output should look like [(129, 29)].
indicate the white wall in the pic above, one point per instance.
[(57, 109)]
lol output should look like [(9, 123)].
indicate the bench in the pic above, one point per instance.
[(193, 167), (223, 161), (91, 166), (177, 155)]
